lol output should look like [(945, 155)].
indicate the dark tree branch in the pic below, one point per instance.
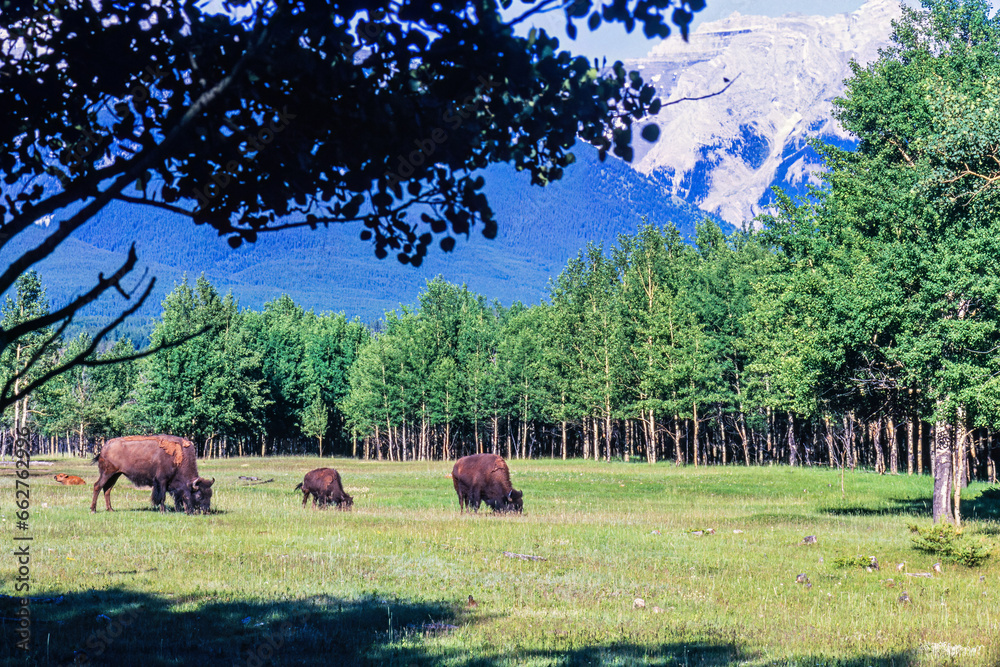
[(540, 8), (67, 311), (179, 210), (137, 166), (6, 399), (703, 97)]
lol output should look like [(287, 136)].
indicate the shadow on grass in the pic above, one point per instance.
[(693, 654), (171, 509), (983, 507), (915, 507), (122, 627)]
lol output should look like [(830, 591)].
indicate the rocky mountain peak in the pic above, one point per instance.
[(724, 153)]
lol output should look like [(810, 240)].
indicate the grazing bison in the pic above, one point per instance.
[(485, 477), (72, 480), (165, 462), (324, 485)]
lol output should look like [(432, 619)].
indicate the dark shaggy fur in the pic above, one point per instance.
[(324, 485), (485, 478), (151, 460)]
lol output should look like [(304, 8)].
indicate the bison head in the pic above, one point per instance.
[(512, 502), (347, 502), (201, 494), (515, 500)]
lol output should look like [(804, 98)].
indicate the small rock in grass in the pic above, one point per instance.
[(900, 567), (937, 567), (809, 539), (697, 533), (802, 579), (657, 610), (737, 531), (904, 598), (639, 603)]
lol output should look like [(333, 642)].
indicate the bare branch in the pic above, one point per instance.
[(81, 357), (541, 7), (902, 151), (703, 97), (157, 204), (67, 311)]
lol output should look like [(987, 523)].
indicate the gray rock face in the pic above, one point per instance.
[(725, 152)]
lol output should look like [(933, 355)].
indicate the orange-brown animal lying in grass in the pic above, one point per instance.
[(63, 478)]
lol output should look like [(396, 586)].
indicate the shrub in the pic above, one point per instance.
[(948, 542)]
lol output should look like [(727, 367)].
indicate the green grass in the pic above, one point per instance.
[(367, 587)]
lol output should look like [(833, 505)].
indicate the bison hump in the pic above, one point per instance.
[(174, 449), (171, 445)]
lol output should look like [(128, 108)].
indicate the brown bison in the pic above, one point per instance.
[(324, 485), (485, 477), (72, 480), (165, 462)]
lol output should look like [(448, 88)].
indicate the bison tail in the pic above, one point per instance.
[(297, 486), (96, 458)]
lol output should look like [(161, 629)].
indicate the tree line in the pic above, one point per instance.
[(700, 353)]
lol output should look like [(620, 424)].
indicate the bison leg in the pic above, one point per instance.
[(305, 498), (106, 482), (460, 490), (474, 500), (159, 496)]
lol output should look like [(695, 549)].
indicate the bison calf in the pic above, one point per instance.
[(165, 462), (324, 485), (71, 480), (485, 477)]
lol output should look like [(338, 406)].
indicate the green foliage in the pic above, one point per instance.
[(878, 297), (315, 420), (949, 542), (26, 359), (849, 562)]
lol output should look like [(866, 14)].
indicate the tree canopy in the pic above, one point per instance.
[(902, 248)]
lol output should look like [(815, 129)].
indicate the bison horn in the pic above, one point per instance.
[(510, 496)]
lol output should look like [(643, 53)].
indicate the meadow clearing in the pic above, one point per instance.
[(263, 581)]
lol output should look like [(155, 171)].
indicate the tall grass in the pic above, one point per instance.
[(264, 581)]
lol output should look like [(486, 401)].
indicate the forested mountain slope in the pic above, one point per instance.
[(331, 270)]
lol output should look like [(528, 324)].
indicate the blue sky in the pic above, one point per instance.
[(613, 42)]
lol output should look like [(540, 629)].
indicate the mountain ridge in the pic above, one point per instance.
[(724, 153), (330, 269)]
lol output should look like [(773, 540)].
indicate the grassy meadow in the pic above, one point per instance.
[(263, 581)]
